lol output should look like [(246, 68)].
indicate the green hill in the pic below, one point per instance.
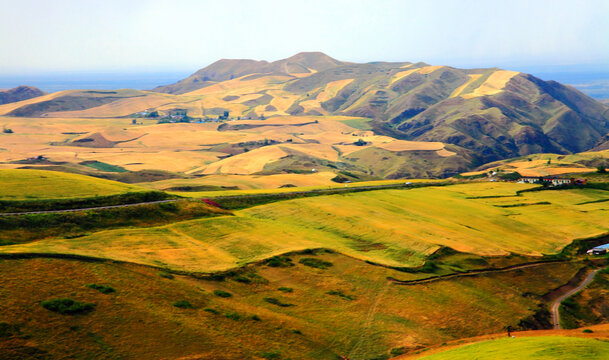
[(539, 348)]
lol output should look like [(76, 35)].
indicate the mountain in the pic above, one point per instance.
[(483, 115), (227, 69), (19, 93)]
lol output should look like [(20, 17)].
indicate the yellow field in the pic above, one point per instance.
[(459, 90), (538, 164), (392, 227), (37, 184), (493, 85), (249, 181)]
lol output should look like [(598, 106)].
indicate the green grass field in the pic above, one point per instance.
[(22, 184), (391, 227), (539, 348)]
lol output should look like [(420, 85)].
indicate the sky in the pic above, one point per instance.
[(38, 37)]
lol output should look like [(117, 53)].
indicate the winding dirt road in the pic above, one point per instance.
[(556, 304)]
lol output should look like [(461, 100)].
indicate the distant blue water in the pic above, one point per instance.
[(109, 81), (594, 84)]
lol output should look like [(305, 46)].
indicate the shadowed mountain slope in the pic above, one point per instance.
[(19, 93)]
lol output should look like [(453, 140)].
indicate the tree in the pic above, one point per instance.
[(549, 161), (153, 114), (7, 131), (601, 169)]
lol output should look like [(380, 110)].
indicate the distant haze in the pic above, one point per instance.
[(149, 36)]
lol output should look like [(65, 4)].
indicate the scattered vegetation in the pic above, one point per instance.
[(183, 304), (222, 293), (67, 306), (286, 289), (341, 295), (104, 289), (277, 302), (315, 263)]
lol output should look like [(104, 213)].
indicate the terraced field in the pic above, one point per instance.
[(390, 227)]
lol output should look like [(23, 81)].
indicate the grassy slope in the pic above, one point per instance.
[(139, 321), (559, 164), (589, 306), (38, 185), (546, 347), (393, 227)]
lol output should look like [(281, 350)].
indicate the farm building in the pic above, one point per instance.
[(555, 181), (599, 250)]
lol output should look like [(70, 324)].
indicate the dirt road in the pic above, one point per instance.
[(556, 304)]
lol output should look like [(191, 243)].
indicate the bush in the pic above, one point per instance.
[(341, 294), (297, 332), (183, 304), (232, 315), (277, 302), (397, 351), (271, 355), (243, 279), (315, 263), (102, 288), (67, 306), (222, 293), (166, 275), (279, 261), (213, 311), (285, 289), (8, 330), (587, 331), (256, 318)]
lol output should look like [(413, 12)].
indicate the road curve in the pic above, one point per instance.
[(556, 305), (87, 209)]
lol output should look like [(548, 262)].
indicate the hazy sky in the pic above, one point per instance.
[(132, 35)]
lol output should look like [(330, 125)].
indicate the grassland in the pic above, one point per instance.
[(391, 227), (39, 185), (139, 320), (546, 347), (548, 164)]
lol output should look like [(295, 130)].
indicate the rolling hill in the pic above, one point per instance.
[(19, 93), (310, 111)]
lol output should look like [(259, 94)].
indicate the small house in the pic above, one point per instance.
[(599, 250)]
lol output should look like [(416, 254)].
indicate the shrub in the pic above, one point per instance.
[(213, 311), (341, 294), (166, 275), (256, 318), (587, 331), (285, 289), (67, 306), (243, 279), (232, 315), (183, 304), (315, 263), (279, 261), (397, 351), (8, 330), (297, 332), (277, 302), (271, 355), (222, 293), (102, 288)]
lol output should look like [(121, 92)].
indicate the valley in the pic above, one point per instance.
[(306, 208)]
